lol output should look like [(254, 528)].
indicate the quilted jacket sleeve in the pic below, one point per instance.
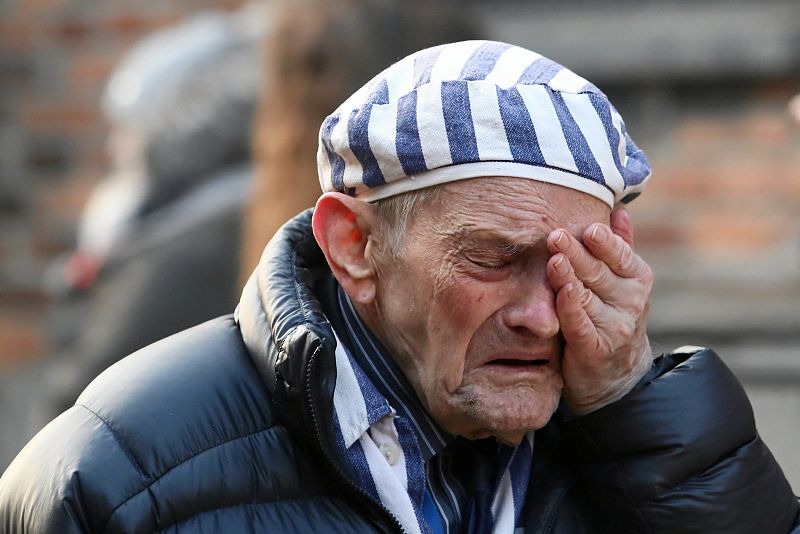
[(68, 479), (680, 453)]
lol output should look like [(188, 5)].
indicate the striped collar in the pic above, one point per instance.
[(387, 377), (392, 446)]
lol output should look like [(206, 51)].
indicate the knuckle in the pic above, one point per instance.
[(647, 276), (635, 310), (625, 257), (584, 329), (595, 279), (586, 296), (626, 329)]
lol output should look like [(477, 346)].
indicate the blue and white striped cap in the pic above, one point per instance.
[(478, 108)]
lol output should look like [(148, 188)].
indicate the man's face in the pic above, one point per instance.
[(467, 310)]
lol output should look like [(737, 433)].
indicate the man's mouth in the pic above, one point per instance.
[(514, 362), (520, 361)]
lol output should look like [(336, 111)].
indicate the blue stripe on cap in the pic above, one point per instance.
[(482, 61), (540, 71), (409, 147), (358, 130), (519, 128), (380, 94), (601, 106), (337, 163), (581, 153), (423, 65), (636, 168), (637, 165), (458, 122)]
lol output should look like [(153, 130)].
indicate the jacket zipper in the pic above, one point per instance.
[(332, 461), (551, 520)]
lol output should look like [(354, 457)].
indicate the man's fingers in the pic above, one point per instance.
[(562, 276), (592, 272), (577, 328), (621, 225), (559, 271), (614, 251)]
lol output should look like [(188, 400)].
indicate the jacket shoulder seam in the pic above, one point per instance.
[(150, 481), (117, 438), (126, 451)]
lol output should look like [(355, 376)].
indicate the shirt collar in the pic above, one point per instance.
[(357, 403), (387, 378)]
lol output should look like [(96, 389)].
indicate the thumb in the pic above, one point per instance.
[(621, 225)]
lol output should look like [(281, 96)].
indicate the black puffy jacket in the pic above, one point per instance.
[(227, 427)]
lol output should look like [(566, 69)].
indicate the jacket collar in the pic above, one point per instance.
[(278, 314), (286, 332)]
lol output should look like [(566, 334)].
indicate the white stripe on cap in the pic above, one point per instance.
[(324, 169), (358, 98), (383, 137), (547, 126), (490, 134), (400, 78), (510, 66), (593, 130), (432, 130), (616, 120), (452, 59), (567, 81)]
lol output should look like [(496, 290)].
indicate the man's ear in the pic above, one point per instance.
[(342, 227)]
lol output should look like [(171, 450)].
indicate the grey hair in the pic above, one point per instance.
[(393, 215)]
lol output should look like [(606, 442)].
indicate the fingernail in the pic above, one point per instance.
[(572, 293), (561, 240), (560, 265), (599, 235)]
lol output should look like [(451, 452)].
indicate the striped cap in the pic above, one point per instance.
[(478, 108)]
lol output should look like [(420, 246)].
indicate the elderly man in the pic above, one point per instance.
[(459, 346)]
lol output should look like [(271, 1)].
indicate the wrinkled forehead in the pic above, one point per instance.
[(510, 206)]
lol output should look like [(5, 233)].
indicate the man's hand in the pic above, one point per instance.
[(603, 292)]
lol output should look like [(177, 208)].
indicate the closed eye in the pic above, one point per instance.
[(492, 266), (495, 259)]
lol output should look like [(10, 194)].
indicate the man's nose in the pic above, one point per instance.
[(531, 310)]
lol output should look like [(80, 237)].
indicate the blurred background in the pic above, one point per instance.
[(145, 149)]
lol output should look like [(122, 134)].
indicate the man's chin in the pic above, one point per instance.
[(506, 415)]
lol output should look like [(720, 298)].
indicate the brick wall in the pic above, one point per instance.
[(55, 57), (719, 222)]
